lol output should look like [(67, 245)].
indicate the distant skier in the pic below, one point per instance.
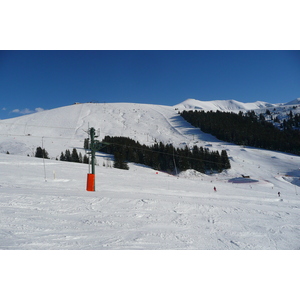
[(278, 194), (215, 189)]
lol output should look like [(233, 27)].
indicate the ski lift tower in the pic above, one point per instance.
[(90, 186), (95, 145)]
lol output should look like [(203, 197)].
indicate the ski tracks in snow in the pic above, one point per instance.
[(183, 137)]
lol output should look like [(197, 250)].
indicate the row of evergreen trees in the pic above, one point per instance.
[(74, 157), (245, 129), (67, 156), (164, 157)]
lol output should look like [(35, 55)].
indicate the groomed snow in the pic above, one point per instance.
[(47, 207)]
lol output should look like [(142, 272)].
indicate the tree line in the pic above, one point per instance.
[(74, 157), (164, 157), (64, 156), (247, 129), (159, 156)]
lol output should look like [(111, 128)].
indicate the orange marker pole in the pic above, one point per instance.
[(90, 185)]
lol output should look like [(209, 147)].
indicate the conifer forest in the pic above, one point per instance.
[(248, 129), (165, 157)]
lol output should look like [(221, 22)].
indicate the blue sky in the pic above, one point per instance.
[(35, 80)]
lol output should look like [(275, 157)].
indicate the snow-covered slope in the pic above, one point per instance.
[(294, 102), (221, 105), (46, 206), (67, 127)]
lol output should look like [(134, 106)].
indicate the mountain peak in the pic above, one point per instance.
[(221, 105), (294, 102)]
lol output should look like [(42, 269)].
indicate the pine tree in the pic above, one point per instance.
[(224, 160), (119, 162), (41, 153), (75, 157), (62, 157), (68, 155), (85, 159)]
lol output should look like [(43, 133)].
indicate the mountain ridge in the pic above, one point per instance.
[(67, 126), (228, 105)]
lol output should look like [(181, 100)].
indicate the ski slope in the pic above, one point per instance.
[(44, 204), (67, 126), (47, 207)]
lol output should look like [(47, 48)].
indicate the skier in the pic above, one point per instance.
[(215, 189), (278, 194)]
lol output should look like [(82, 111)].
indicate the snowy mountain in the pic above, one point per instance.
[(44, 204), (66, 127), (271, 112), (222, 105), (294, 102)]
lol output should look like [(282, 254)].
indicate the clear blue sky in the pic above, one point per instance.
[(30, 80)]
